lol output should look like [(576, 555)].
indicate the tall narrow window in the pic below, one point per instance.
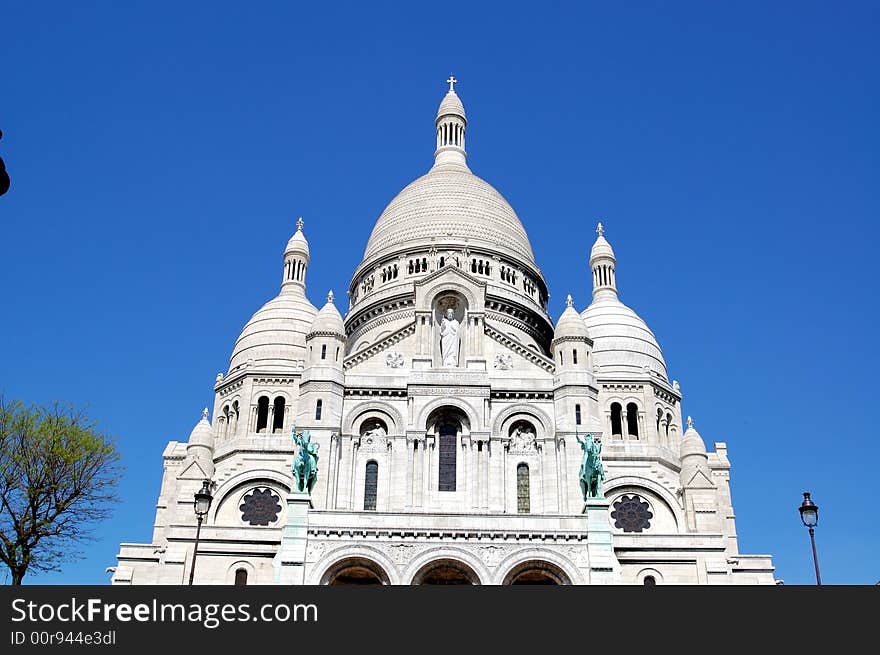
[(318, 407), (278, 415), (324, 351), (371, 484), (448, 434), (577, 414), (241, 578), (574, 356), (632, 419), (262, 413), (668, 423), (522, 488), (616, 419)]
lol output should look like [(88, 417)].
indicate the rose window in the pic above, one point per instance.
[(260, 507), (631, 514)]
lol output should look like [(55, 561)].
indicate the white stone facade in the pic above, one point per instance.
[(453, 459)]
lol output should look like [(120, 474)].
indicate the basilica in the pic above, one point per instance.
[(450, 417)]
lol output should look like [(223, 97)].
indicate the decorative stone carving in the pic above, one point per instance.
[(394, 359), (522, 440), (632, 514), (504, 361)]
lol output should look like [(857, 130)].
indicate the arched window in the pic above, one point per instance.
[(337, 353), (616, 421), (278, 415), (324, 351), (659, 416), (241, 576), (262, 413), (319, 405), (577, 414), (522, 488), (371, 483), (632, 419), (668, 423), (447, 437), (574, 356), (650, 581)]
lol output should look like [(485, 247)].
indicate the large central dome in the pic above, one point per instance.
[(450, 204)]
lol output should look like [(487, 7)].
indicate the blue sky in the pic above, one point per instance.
[(160, 154)]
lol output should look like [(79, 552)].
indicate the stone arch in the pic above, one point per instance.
[(469, 411), (241, 564), (355, 571), (356, 553), (522, 559), (660, 492), (257, 477), (442, 284), (449, 555), (649, 572), (514, 412), (372, 409)]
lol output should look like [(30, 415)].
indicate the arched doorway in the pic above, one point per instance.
[(536, 572), (355, 571), (447, 425), (446, 572)]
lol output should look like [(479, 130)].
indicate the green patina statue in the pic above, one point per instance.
[(305, 464), (592, 471)]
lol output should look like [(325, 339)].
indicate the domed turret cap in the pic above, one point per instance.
[(692, 442), (451, 103), (328, 319), (601, 248), (570, 324), (298, 241), (202, 434)]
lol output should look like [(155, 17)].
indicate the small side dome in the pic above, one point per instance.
[(298, 241), (202, 434), (328, 320), (570, 324), (692, 442)]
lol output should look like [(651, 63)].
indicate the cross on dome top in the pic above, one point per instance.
[(205, 414), (600, 230), (690, 423), (299, 224), (330, 296), (569, 302), (451, 82)]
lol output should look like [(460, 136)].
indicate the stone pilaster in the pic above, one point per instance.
[(289, 562), (604, 567)]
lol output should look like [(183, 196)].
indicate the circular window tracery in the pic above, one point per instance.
[(260, 507), (632, 514)]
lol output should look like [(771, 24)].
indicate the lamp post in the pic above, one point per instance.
[(201, 505), (810, 516)]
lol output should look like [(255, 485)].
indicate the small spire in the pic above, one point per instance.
[(330, 296), (299, 224), (600, 230), (205, 414), (690, 423), (568, 301), (451, 82)]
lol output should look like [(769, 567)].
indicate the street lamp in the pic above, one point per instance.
[(201, 505), (810, 516)]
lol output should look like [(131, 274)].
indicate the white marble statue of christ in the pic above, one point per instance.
[(449, 339)]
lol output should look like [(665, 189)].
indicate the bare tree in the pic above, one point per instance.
[(58, 477)]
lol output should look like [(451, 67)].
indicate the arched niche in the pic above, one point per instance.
[(536, 572), (449, 311)]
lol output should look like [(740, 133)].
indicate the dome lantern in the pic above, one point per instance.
[(296, 260), (450, 128), (603, 265)]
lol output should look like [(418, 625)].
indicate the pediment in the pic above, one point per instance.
[(451, 279), (700, 480), (193, 471)]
